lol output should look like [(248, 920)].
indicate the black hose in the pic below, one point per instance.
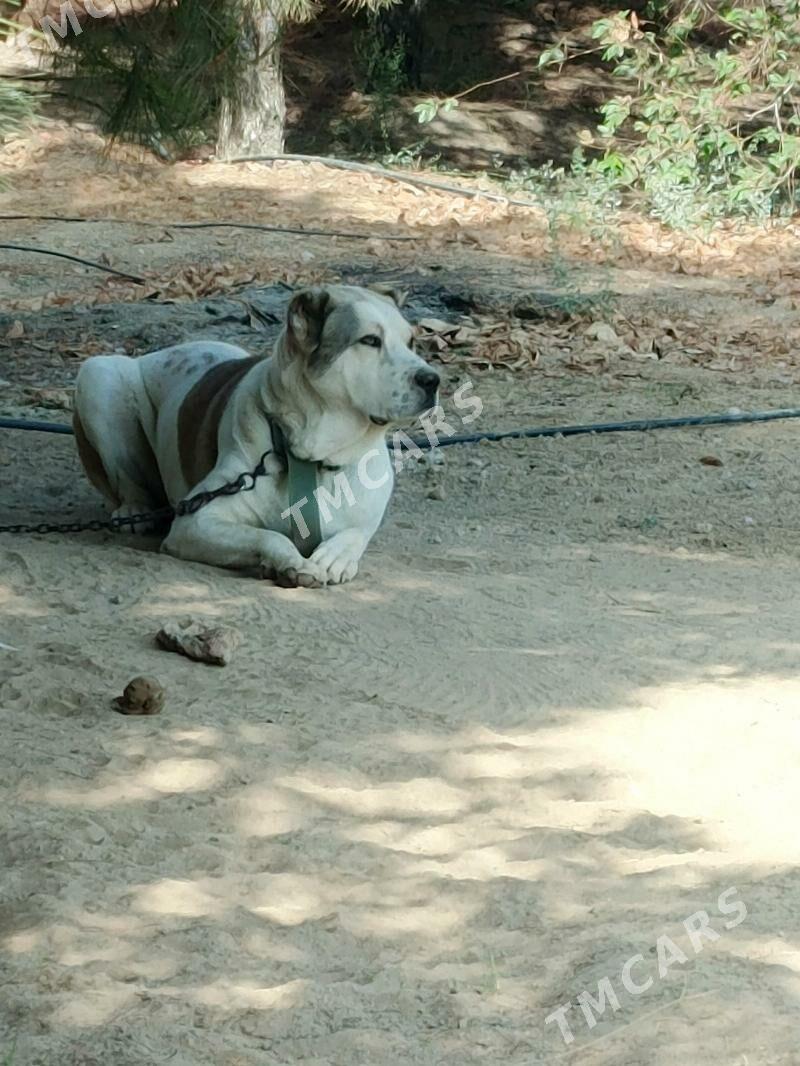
[(41, 427), (635, 425), (72, 259)]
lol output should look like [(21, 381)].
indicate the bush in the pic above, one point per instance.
[(17, 103), (711, 125)]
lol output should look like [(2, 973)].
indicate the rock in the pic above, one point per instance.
[(436, 493), (142, 695), (204, 644), (601, 331)]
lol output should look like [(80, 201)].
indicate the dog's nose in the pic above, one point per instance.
[(427, 379)]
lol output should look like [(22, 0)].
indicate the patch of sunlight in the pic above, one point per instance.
[(398, 836), (484, 864), (269, 812), (225, 995), (102, 951), (419, 797), (15, 606), (432, 919), (724, 754), (205, 736), (264, 733), (447, 838), (184, 591), (367, 596), (22, 942), (288, 899), (94, 1007), (774, 952), (266, 947), (181, 775), (185, 898), (504, 763), (122, 790), (476, 736), (119, 924), (166, 777), (412, 584)]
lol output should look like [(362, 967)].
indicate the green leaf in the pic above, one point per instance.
[(552, 55), (426, 111)]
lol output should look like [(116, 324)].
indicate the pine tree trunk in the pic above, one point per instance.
[(253, 111)]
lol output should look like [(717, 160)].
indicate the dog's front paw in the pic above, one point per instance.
[(338, 558), (305, 577)]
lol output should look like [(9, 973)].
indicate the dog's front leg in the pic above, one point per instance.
[(203, 538)]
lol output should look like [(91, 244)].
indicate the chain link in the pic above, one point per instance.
[(245, 482)]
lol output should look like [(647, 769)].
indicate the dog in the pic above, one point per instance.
[(191, 418)]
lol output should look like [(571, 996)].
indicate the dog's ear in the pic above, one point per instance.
[(305, 320), (397, 296)]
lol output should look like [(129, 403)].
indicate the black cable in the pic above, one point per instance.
[(41, 427), (73, 259), (635, 425), (216, 225)]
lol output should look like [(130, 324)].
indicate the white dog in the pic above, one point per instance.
[(155, 430)]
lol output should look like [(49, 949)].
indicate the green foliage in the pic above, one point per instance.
[(380, 72), (159, 77), (427, 110), (705, 131), (10, 1055), (17, 103), (156, 77)]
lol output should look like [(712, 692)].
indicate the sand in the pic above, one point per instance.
[(553, 719)]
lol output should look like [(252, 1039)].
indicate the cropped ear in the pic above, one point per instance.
[(397, 296), (305, 320)]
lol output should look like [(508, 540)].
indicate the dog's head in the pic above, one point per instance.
[(357, 351)]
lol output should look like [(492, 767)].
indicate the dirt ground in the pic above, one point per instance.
[(554, 717)]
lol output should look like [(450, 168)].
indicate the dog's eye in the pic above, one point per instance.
[(372, 340)]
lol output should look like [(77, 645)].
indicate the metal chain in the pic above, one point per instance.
[(243, 483)]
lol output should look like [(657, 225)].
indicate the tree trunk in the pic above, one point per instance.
[(253, 110)]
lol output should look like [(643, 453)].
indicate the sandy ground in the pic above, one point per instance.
[(554, 718)]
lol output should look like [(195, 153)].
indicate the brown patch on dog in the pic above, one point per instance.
[(92, 463), (200, 415)]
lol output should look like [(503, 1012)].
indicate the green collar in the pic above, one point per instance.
[(303, 479)]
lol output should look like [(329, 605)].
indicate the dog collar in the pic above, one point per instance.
[(303, 481)]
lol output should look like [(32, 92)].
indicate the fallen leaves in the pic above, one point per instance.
[(49, 397), (482, 343)]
